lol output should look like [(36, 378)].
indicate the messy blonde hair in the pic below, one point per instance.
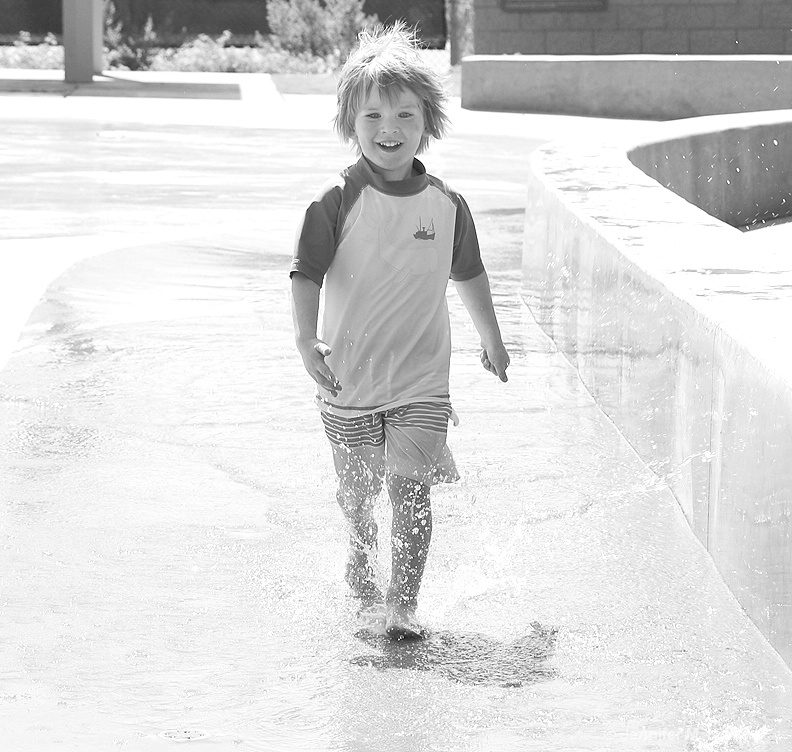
[(387, 59)]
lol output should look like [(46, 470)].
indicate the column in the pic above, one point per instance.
[(82, 39)]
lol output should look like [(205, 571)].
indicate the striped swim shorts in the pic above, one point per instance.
[(409, 440)]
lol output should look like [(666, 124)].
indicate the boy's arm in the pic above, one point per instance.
[(305, 313), (475, 294)]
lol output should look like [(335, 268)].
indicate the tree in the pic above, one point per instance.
[(460, 29)]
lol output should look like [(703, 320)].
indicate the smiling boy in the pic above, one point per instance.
[(389, 127), (383, 238)]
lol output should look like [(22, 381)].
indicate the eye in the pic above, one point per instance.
[(405, 114), (373, 115)]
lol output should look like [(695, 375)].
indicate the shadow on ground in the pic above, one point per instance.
[(112, 85), (467, 658)]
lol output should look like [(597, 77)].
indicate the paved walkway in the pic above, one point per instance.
[(170, 550)]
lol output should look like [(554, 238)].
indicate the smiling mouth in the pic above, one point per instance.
[(389, 145)]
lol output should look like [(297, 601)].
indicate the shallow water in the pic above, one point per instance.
[(167, 561), (172, 555)]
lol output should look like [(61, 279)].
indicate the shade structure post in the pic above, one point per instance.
[(82, 39)]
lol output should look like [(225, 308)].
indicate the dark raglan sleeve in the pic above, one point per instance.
[(466, 262), (315, 245)]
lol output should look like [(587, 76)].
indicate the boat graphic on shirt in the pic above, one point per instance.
[(424, 233), (406, 254)]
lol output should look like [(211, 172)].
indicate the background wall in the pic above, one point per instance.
[(697, 27), (23, 15)]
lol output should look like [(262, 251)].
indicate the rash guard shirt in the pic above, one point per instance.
[(384, 252)]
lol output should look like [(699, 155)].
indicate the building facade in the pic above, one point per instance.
[(631, 27)]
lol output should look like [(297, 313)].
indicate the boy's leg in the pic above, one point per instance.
[(416, 442), (359, 483), (359, 470), (411, 534)]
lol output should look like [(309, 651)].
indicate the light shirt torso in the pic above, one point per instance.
[(385, 314)]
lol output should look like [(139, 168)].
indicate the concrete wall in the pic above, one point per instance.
[(659, 88), (625, 27), (741, 175), (677, 323)]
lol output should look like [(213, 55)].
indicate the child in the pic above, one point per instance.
[(385, 237)]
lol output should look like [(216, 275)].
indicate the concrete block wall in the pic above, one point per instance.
[(655, 87), (630, 27)]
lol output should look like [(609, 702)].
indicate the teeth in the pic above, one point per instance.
[(390, 143)]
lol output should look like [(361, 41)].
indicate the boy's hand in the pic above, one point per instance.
[(314, 352), (476, 296), (496, 360)]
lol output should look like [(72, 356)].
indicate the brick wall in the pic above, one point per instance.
[(625, 27)]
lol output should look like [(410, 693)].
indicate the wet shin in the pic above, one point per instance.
[(358, 487), (411, 534)]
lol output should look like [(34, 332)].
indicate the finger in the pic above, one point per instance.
[(327, 387), (330, 382), (502, 375)]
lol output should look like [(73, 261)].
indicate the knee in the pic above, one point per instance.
[(408, 494), (358, 491)]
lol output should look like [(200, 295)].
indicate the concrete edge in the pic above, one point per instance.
[(30, 265), (626, 86), (177, 85), (694, 374)]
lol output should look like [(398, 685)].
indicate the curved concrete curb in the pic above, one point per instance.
[(677, 324), (29, 265)]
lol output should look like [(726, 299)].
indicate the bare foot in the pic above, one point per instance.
[(401, 624), (361, 579), (372, 618)]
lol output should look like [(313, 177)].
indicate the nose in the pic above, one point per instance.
[(389, 125)]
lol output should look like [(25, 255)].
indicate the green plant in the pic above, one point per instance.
[(299, 26), (207, 54), (347, 20), (24, 54), (128, 51), (324, 29)]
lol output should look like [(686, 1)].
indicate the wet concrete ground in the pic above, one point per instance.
[(170, 550)]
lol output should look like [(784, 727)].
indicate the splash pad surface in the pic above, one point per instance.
[(172, 556)]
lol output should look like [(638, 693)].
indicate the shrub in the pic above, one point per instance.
[(127, 52), (22, 54), (325, 29), (207, 54), (299, 26), (347, 20), (313, 37)]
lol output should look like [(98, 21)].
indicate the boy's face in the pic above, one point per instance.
[(389, 130)]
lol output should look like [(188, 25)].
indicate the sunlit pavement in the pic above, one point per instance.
[(172, 557)]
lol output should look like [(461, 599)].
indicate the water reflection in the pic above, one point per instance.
[(42, 440), (467, 658)]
